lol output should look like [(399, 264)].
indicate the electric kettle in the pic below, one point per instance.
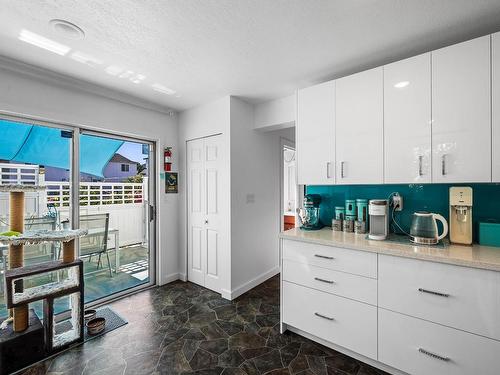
[(424, 228)]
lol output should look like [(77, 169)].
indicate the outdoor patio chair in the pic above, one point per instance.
[(96, 241)]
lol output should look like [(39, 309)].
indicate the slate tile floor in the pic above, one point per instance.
[(182, 328)]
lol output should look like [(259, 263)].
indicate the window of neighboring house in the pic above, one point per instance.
[(125, 167)]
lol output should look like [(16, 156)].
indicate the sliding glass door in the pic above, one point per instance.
[(91, 180), (116, 205)]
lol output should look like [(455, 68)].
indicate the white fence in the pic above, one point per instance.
[(125, 202)]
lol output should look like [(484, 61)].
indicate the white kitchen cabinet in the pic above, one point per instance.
[(461, 127), (359, 128), (407, 120), (446, 294), (421, 347), (495, 100), (315, 133), (348, 323)]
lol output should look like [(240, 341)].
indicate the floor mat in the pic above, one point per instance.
[(113, 321)]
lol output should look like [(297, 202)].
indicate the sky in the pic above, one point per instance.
[(132, 151)]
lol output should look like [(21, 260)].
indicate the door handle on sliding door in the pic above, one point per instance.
[(152, 213)]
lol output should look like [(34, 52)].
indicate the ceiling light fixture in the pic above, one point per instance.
[(42, 42), (401, 84), (163, 89), (67, 29), (85, 59)]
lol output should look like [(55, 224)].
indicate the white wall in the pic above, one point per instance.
[(255, 199), (209, 119), (275, 114), (33, 92)]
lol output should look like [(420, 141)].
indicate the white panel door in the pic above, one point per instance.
[(196, 212), (213, 216), (461, 127), (315, 134), (407, 120), (495, 100), (204, 217), (359, 128)]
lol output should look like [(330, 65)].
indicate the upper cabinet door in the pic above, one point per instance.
[(461, 127), (495, 69), (315, 134), (407, 120), (359, 128)]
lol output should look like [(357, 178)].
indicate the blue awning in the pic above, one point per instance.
[(25, 143)]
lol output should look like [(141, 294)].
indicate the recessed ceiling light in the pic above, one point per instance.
[(67, 29), (42, 42), (163, 89), (401, 84)]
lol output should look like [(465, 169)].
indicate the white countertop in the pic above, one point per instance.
[(475, 256)]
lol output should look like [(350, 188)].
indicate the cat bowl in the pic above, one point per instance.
[(96, 325), (89, 315)]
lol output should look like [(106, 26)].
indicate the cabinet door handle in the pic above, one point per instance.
[(324, 280), (323, 256), (434, 355), (433, 292), (420, 166), (342, 175), (328, 169), (443, 164), (323, 316)]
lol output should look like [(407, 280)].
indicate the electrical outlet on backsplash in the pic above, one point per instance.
[(417, 197)]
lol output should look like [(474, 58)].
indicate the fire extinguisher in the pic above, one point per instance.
[(167, 163)]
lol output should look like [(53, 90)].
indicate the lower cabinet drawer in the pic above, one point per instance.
[(419, 347), (459, 297), (338, 320), (343, 284)]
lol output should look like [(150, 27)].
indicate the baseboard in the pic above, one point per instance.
[(250, 284), (182, 277), (169, 278)]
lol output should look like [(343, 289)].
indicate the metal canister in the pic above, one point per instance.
[(337, 225), (362, 209), (340, 213), (350, 207), (348, 225), (360, 227)]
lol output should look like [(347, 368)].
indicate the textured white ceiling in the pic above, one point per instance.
[(255, 49)]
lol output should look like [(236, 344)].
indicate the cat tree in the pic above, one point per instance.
[(69, 282)]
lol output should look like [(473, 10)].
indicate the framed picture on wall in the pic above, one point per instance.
[(171, 182)]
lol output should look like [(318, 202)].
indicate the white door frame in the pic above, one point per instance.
[(284, 142)]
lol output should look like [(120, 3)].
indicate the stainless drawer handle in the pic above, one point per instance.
[(434, 355), (323, 256), (324, 281), (323, 316), (433, 292)]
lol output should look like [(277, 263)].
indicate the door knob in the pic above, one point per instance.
[(206, 221)]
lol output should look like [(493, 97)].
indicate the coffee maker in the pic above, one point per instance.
[(461, 215), (309, 214), (378, 210)]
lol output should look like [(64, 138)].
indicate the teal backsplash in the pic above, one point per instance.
[(428, 197)]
